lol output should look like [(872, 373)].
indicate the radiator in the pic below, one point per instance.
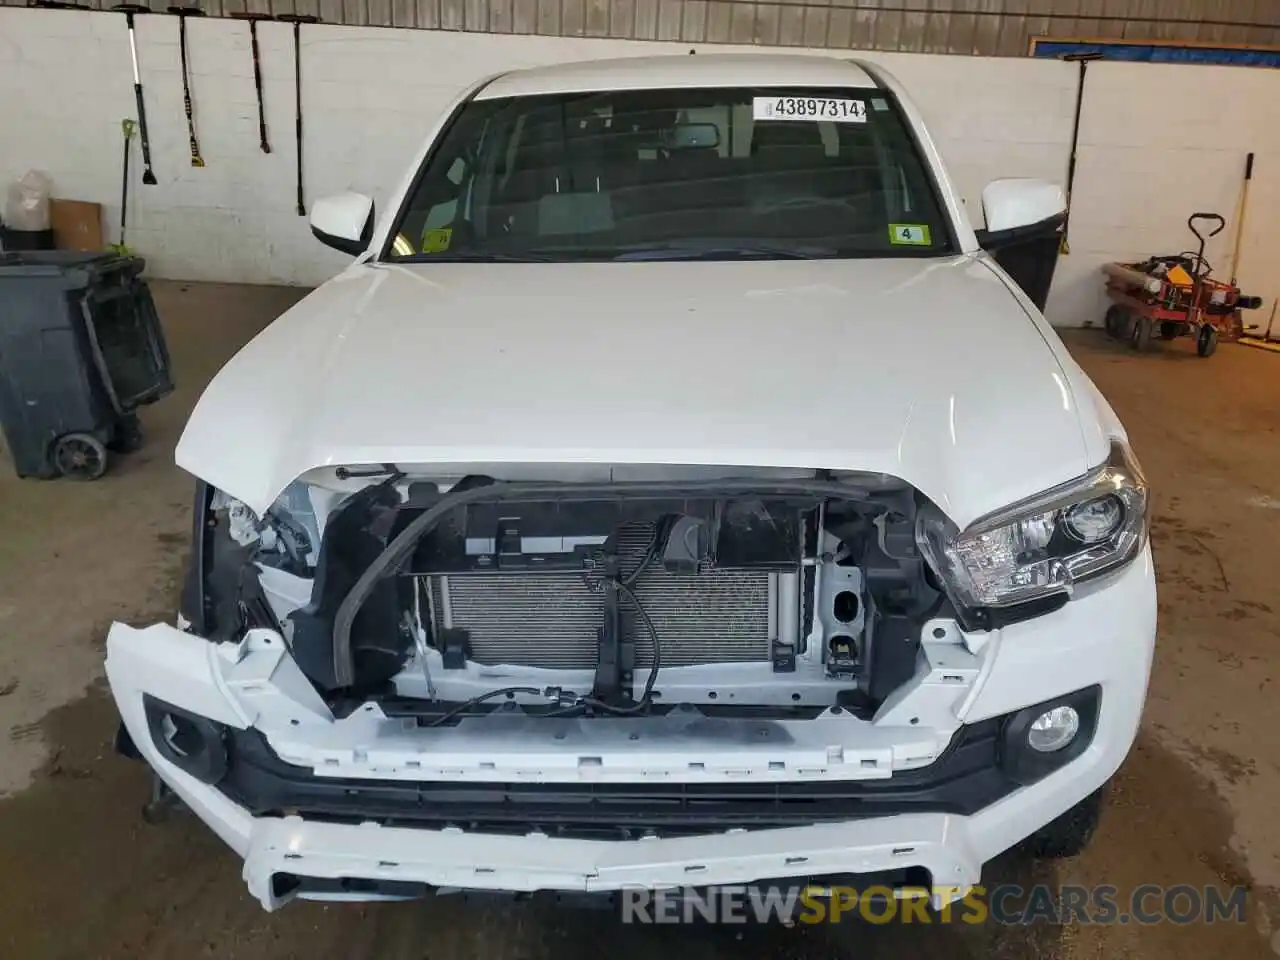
[(551, 619)]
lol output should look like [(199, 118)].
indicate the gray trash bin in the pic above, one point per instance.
[(80, 350)]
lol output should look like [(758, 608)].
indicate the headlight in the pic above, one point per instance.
[(221, 592), (1044, 545), (287, 536)]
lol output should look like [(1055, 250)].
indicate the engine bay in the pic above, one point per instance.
[(748, 595)]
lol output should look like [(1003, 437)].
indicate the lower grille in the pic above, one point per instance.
[(551, 619), (966, 778)]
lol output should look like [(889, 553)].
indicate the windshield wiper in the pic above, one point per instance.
[(664, 250), (473, 256), (723, 250)]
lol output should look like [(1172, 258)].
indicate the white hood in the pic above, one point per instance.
[(928, 370)]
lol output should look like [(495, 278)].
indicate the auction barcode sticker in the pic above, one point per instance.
[(809, 108)]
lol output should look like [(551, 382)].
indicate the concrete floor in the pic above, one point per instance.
[(81, 876)]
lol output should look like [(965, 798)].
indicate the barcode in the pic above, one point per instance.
[(809, 108)]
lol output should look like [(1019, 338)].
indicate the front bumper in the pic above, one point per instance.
[(1103, 637)]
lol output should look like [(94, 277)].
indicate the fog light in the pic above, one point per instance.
[(1053, 729), (1046, 736)]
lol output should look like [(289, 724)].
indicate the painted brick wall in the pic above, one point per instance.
[(1159, 142), (369, 97), (371, 94)]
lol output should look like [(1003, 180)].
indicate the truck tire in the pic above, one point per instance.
[(1068, 834)]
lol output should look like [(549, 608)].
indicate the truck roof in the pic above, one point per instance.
[(700, 70)]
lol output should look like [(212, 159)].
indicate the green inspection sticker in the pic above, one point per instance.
[(911, 234), (437, 240)]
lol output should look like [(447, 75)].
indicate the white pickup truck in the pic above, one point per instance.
[(673, 491)]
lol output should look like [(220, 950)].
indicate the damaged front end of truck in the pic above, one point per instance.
[(696, 651), (777, 596)]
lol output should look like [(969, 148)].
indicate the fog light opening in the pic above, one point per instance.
[(180, 735), (194, 744), (1054, 729)]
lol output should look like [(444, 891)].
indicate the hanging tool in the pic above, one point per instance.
[(129, 9), (1084, 59), (298, 20), (253, 19), (182, 13), (127, 127), (1244, 209)]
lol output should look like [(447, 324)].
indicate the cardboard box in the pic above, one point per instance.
[(77, 225)]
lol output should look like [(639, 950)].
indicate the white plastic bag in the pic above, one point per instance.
[(28, 202)]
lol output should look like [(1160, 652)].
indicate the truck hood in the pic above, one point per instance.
[(929, 370)]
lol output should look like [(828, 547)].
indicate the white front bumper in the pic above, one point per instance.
[(1104, 638)]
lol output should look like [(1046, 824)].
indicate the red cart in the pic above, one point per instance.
[(1173, 297)]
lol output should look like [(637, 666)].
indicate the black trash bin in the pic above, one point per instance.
[(80, 350), (26, 239)]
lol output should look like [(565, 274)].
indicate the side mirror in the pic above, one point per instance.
[(1020, 209), (343, 221)]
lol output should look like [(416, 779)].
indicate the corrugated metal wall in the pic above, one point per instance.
[(986, 27)]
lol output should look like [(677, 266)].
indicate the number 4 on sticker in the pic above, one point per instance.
[(910, 234), (437, 240)]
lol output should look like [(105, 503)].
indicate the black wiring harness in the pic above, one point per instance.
[(646, 697), (474, 701), (580, 703)]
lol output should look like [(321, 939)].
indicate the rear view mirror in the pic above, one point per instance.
[(693, 136), (343, 221), (1020, 209)]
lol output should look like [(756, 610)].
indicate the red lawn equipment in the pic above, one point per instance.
[(1174, 296)]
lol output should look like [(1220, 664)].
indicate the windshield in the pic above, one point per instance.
[(705, 174)]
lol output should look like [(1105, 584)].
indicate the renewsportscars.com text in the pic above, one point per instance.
[(1008, 904)]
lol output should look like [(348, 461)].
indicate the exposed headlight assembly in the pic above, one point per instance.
[(1043, 546), (230, 544), (286, 536)]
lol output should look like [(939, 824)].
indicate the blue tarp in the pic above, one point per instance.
[(1160, 53)]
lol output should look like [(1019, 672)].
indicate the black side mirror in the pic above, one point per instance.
[(344, 222), (1020, 209), (993, 240)]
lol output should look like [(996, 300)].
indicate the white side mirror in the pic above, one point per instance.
[(1024, 205), (343, 221)]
